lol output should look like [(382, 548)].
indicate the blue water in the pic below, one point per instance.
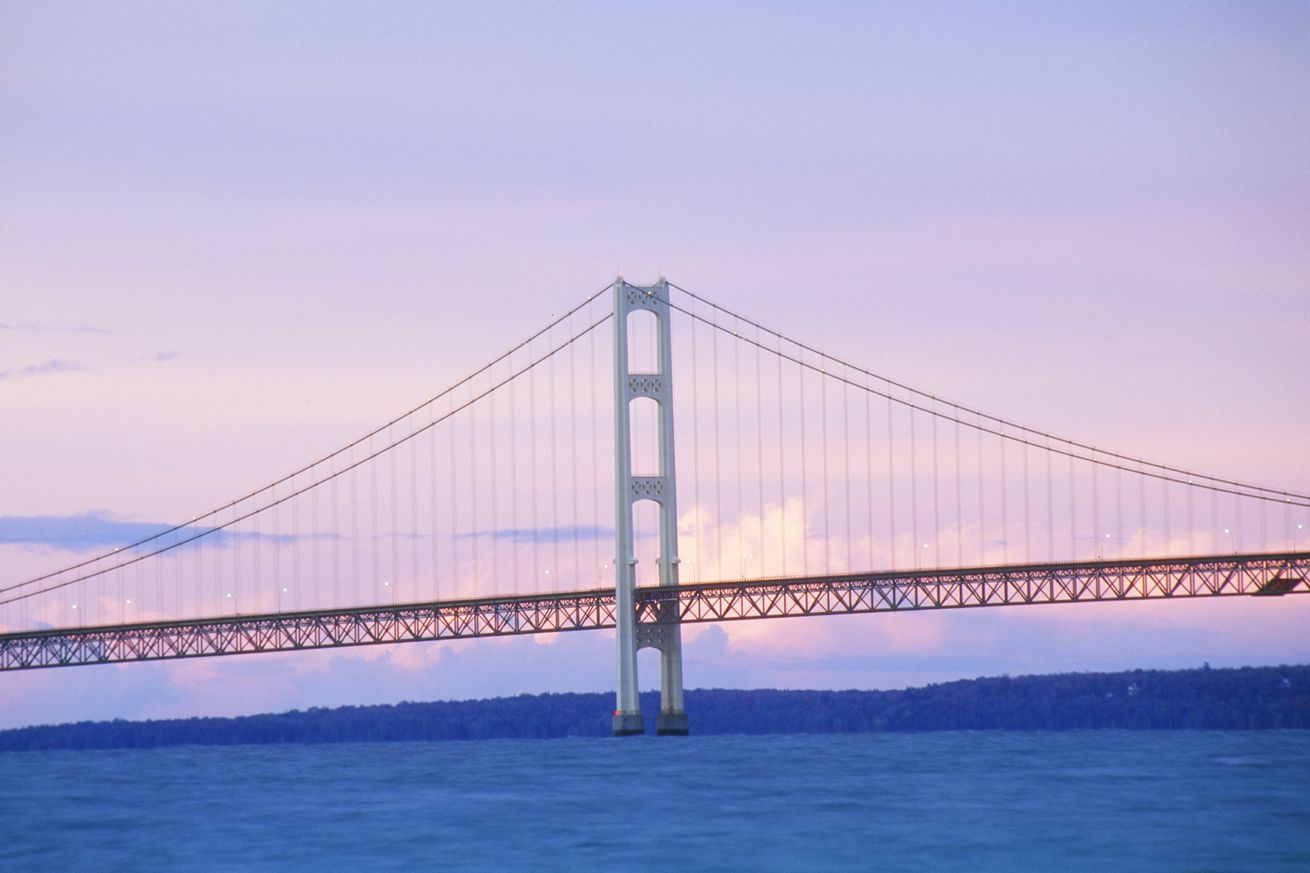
[(929, 802)]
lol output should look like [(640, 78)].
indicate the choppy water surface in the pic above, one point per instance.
[(953, 801)]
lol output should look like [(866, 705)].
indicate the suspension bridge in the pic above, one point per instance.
[(550, 491)]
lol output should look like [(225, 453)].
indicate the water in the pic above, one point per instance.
[(1104, 800)]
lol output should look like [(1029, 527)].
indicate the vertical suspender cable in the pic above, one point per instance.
[(959, 500), (313, 536), (554, 474), (141, 586), (452, 489), (1191, 544), (718, 457), (435, 579), (373, 492), (431, 500), (805, 524), (1096, 504), (782, 475), (493, 538), (335, 500), (1287, 524), (1214, 521), (573, 457), (276, 549), (413, 587), (1237, 525), (354, 538), (695, 459), (1005, 513), (1073, 511), (759, 446), (595, 449), (1264, 533), (1027, 518), (868, 466), (846, 464), (515, 536), (1119, 511), (891, 482), (736, 426), (914, 494), (823, 442), (982, 522), (224, 602), (236, 561), (1168, 536), (474, 538), (1050, 506), (1141, 513), (177, 591), (532, 473), (936, 494), (393, 579)]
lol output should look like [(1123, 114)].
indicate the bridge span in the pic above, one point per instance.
[(1259, 575)]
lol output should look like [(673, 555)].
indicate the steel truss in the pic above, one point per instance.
[(1081, 582)]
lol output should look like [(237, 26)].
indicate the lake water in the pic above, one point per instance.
[(1100, 801)]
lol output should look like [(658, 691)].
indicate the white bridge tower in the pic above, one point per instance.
[(664, 633)]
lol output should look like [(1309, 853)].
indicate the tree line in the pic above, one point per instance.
[(1246, 698)]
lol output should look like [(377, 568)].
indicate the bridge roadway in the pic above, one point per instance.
[(1078, 582)]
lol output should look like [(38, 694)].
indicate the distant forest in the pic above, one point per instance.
[(1202, 699)]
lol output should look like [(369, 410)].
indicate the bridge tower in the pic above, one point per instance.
[(664, 633)]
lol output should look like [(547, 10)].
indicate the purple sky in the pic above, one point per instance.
[(237, 237)]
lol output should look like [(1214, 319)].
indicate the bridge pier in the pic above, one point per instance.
[(664, 633), (672, 720)]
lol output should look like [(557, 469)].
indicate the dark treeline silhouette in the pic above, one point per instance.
[(1203, 699)]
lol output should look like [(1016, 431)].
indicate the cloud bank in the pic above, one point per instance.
[(92, 530), (564, 534), (54, 365)]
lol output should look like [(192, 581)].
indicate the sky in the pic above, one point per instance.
[(234, 237)]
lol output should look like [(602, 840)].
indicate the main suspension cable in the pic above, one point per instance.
[(1269, 494), (1097, 456), (373, 453), (291, 476)]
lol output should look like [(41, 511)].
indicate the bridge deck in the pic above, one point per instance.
[(1080, 582)]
